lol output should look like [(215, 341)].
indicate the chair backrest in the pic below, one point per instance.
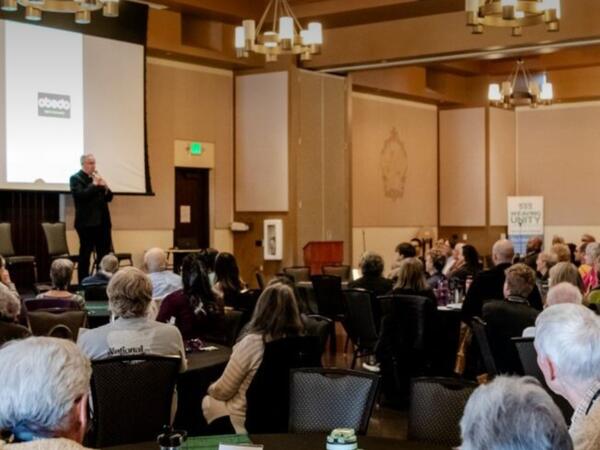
[(260, 279), (132, 398), (328, 294), (6, 244), (56, 238), (267, 396), (436, 407), (319, 326), (342, 271), (61, 331), (481, 336), (528, 356), (55, 304), (42, 323), (232, 324), (324, 399), (95, 293), (298, 273), (359, 321)]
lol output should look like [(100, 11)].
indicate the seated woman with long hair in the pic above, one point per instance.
[(228, 283), (276, 316), (193, 309), (411, 280)]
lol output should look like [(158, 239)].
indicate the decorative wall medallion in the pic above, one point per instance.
[(394, 166)]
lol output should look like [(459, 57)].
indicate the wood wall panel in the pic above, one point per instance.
[(502, 167), (462, 136)]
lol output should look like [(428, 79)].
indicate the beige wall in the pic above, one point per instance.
[(463, 167), (183, 102), (502, 137), (394, 162)]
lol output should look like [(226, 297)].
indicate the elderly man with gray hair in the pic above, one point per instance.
[(108, 267), (567, 341), (10, 306), (513, 414), (132, 332), (164, 281), (43, 394)]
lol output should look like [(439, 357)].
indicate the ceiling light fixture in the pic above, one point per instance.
[(286, 35), (514, 14), (81, 9), (510, 94)]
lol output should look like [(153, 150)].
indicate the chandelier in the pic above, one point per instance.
[(531, 93), (285, 36), (514, 14), (82, 9)]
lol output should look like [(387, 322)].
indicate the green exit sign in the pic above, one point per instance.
[(196, 148)]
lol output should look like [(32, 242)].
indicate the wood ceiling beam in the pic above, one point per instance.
[(228, 11)]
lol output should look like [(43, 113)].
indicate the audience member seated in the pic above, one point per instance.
[(5, 276), (534, 248), (435, 260), (129, 296), (513, 413), (590, 280), (229, 284), (509, 317), (194, 308), (403, 250), (584, 267), (10, 306), (567, 341), (565, 272), (163, 281), (276, 316), (489, 284), (561, 251), (44, 394), (108, 267), (372, 266), (61, 272), (411, 280), (561, 293), (209, 256), (467, 265), (454, 257)]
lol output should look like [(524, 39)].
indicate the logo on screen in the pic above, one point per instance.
[(54, 105)]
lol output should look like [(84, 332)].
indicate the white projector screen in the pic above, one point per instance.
[(63, 94)]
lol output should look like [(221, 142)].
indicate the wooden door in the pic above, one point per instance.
[(191, 208)]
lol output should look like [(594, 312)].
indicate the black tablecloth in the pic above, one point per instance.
[(203, 369), (446, 337), (311, 442)]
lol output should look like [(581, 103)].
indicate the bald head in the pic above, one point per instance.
[(563, 293), (503, 251), (155, 260)]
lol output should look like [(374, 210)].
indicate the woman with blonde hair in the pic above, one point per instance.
[(276, 316), (411, 280), (565, 272)]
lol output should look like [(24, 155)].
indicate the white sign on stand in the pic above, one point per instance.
[(525, 219)]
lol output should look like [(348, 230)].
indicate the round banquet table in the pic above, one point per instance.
[(311, 442), (204, 368)]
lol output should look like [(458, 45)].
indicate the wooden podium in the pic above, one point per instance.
[(323, 253)]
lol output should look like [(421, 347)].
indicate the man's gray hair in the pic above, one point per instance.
[(84, 157), (513, 413), (61, 271), (155, 260), (504, 251), (569, 335), (10, 305), (563, 292), (371, 263), (109, 264), (42, 379), (129, 293)]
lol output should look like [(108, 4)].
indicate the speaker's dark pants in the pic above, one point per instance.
[(92, 238)]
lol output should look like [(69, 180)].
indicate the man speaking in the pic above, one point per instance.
[(92, 217)]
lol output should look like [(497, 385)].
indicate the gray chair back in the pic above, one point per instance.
[(324, 399), (342, 271), (56, 238), (43, 323), (481, 337), (436, 407), (6, 244), (298, 273)]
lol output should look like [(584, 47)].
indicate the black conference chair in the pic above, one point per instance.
[(324, 399), (436, 407), (330, 301), (360, 323), (132, 397), (528, 357), (260, 279), (319, 326), (481, 336), (42, 323), (338, 270), (268, 395), (7, 250), (95, 293), (56, 240), (298, 273)]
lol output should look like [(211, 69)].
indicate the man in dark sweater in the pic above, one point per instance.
[(489, 284), (371, 266), (509, 317)]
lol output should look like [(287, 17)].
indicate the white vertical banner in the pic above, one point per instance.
[(525, 219)]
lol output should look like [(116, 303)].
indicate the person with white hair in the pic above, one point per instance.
[(164, 282), (61, 272), (513, 413), (489, 284), (108, 267), (133, 332), (43, 394), (567, 340), (10, 306)]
